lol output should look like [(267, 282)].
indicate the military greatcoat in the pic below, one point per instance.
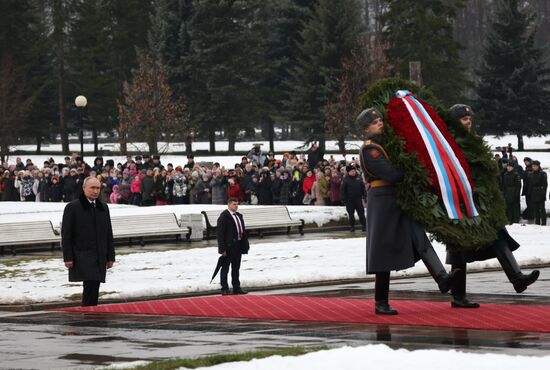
[(389, 231)]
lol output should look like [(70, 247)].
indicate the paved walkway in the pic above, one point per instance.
[(63, 340)]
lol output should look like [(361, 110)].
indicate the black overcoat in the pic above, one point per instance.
[(389, 231), (228, 235), (87, 239)]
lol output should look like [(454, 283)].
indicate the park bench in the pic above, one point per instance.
[(140, 226), (257, 218), (27, 233)]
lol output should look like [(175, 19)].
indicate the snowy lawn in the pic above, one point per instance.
[(268, 264), (382, 357)]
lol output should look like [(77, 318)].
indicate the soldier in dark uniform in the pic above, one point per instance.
[(538, 184), (528, 211), (501, 248), (511, 188), (394, 241)]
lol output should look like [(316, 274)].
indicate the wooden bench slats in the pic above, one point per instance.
[(27, 232), (257, 218), (138, 226)]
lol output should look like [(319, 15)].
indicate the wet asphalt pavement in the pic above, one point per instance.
[(67, 340)]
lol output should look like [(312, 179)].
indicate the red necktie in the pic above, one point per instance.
[(239, 228)]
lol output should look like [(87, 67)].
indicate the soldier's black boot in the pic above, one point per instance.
[(443, 279), (519, 280), (458, 289), (381, 294)]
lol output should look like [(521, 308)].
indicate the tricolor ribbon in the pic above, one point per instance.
[(453, 181)]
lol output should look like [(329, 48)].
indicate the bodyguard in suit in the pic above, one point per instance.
[(87, 240), (232, 244), (394, 241)]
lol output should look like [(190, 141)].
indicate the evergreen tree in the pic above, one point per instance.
[(225, 67), (282, 22), (23, 71), (513, 93), (169, 41), (105, 35), (422, 30), (328, 36)]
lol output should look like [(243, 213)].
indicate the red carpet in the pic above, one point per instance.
[(416, 313)]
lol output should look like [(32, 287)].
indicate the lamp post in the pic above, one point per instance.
[(80, 102)]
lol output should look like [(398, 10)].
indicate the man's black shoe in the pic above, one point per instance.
[(226, 292), (239, 291), (352, 229), (383, 308), (463, 303)]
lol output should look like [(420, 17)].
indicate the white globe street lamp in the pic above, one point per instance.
[(80, 102)]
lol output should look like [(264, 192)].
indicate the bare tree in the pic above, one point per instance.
[(148, 109), (366, 64)]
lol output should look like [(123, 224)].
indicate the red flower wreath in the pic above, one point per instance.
[(403, 125)]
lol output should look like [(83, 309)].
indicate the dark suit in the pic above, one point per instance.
[(228, 241), (87, 240)]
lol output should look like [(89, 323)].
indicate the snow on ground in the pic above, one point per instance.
[(268, 264), (382, 357)]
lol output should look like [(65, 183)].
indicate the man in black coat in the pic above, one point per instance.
[(352, 192), (87, 240), (394, 241), (232, 244)]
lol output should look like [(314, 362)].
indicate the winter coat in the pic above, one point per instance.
[(234, 192), (538, 184), (390, 231), (265, 196), (203, 196), (334, 189), (87, 239), (219, 190), (70, 188), (56, 193), (511, 187), (316, 193), (180, 186), (135, 186), (148, 190), (115, 195), (284, 191), (307, 184), (352, 189)]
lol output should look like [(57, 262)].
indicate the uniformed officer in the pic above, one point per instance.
[(511, 188), (394, 241), (538, 185), (501, 248)]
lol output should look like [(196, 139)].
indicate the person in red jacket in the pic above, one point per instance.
[(234, 189)]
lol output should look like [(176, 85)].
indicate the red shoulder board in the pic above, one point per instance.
[(374, 153)]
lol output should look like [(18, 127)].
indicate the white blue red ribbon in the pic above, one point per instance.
[(452, 179)]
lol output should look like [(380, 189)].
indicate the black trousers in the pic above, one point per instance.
[(539, 211), (351, 208), (90, 295), (234, 260)]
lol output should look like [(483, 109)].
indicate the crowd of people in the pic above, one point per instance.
[(516, 181), (261, 178)]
